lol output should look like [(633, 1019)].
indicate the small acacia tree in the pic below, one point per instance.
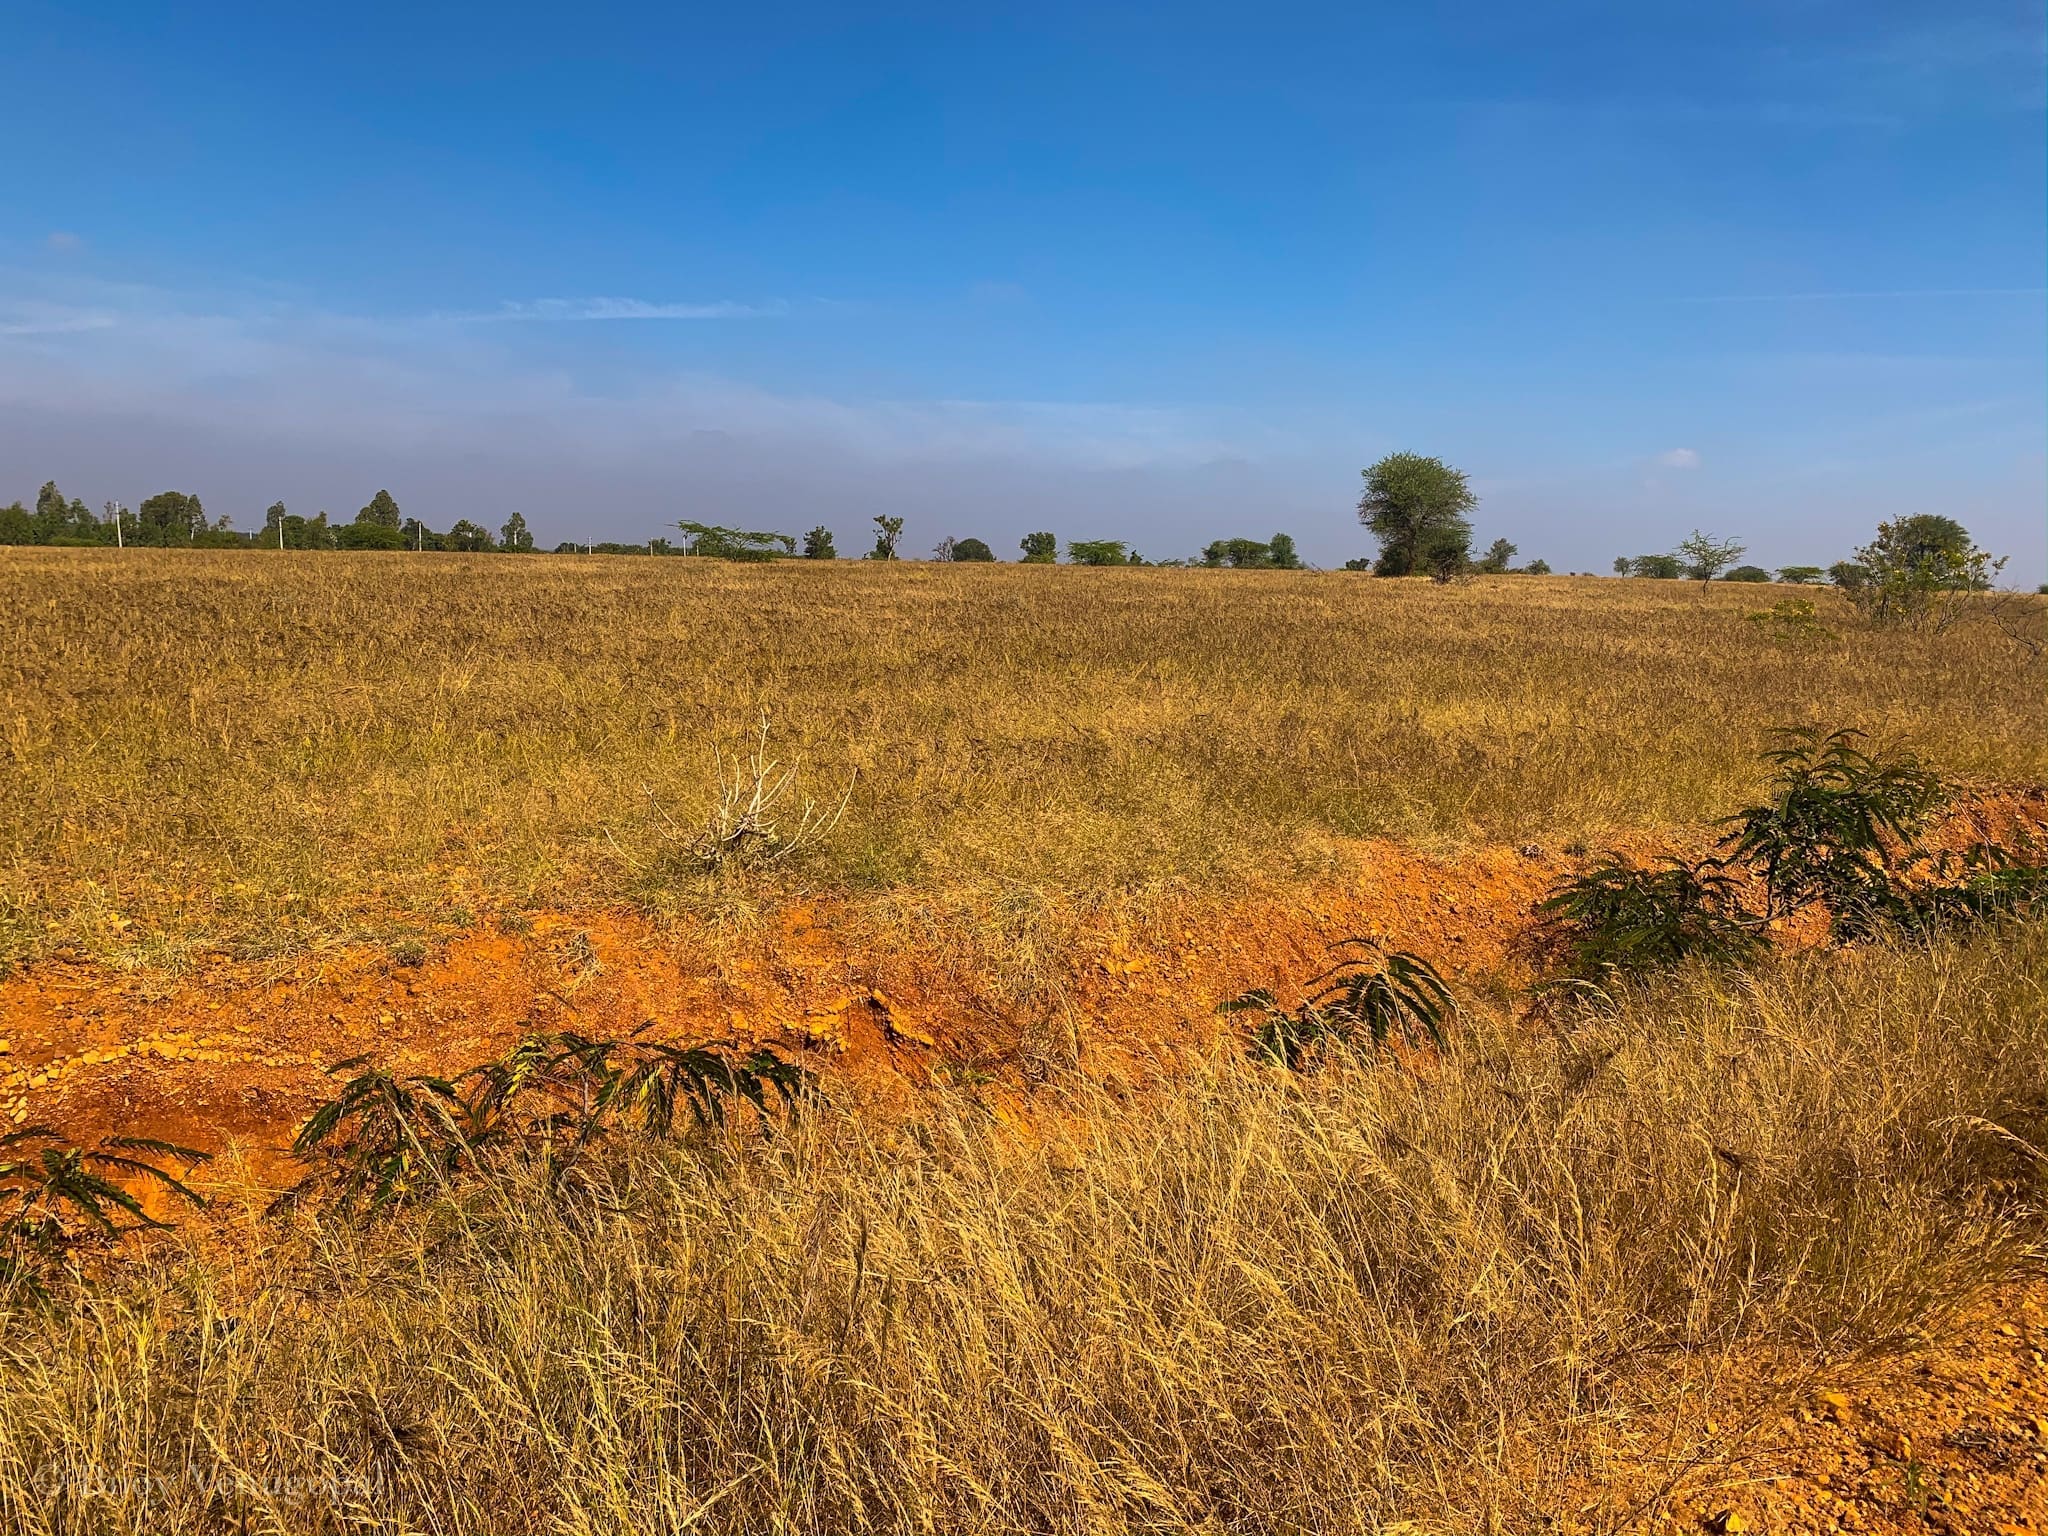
[(1500, 554), (1240, 554), (1918, 571), (713, 542), (1097, 552), (1706, 557), (887, 531), (1410, 502)]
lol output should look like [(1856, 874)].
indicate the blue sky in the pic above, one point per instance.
[(1152, 273)]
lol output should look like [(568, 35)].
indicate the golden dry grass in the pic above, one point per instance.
[(1459, 1294), (254, 749)]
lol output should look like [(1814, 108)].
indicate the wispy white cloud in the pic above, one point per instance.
[(248, 397), (1825, 294), (63, 240), (623, 309), (33, 319), (1679, 458), (303, 371)]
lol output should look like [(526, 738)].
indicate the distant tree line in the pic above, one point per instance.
[(176, 519), (1419, 509), (1904, 573)]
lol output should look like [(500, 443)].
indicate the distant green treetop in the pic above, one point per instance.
[(382, 512)]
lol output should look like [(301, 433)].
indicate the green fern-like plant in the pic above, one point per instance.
[(1365, 999), (386, 1139), (55, 1196), (1838, 819)]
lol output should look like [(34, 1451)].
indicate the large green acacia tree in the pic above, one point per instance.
[(1419, 509)]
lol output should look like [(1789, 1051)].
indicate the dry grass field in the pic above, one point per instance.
[(254, 751), (1050, 1254)]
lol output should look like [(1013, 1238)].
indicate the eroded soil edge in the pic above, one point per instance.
[(236, 1052)]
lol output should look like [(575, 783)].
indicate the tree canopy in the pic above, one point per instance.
[(1418, 508), (714, 542), (1275, 554), (1705, 557), (1097, 552), (1917, 568), (171, 517), (887, 531), (382, 512), (1499, 556)]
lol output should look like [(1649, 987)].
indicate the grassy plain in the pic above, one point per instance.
[(1502, 1290), (253, 750)]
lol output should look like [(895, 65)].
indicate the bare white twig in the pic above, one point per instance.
[(758, 797)]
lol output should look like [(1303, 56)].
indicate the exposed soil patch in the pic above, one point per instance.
[(1949, 1437), (237, 1052)]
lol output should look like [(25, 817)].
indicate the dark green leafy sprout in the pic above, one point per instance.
[(387, 1139), (1364, 999), (54, 1195), (1839, 831)]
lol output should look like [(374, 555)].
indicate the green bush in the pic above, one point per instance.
[(1839, 831), (55, 1196), (1835, 817), (1620, 918)]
